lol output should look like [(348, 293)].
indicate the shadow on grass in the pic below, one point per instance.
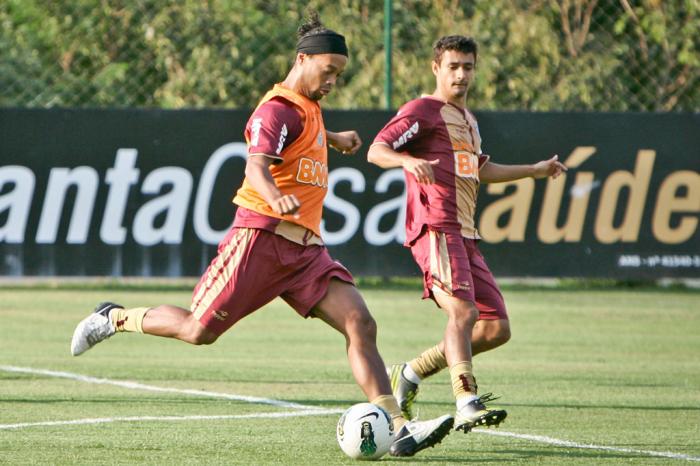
[(591, 406), (426, 457), (531, 455), (581, 406)]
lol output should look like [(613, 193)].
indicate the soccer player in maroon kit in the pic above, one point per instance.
[(275, 247), (436, 140)]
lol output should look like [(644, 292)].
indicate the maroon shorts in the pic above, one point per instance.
[(255, 266), (453, 265)]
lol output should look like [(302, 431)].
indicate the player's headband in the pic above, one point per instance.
[(324, 42)]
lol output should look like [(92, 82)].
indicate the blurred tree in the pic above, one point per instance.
[(609, 55)]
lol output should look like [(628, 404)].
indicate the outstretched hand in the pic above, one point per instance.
[(550, 167)]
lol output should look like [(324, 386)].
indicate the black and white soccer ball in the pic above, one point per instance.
[(365, 432)]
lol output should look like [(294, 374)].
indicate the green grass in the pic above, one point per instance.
[(619, 368)]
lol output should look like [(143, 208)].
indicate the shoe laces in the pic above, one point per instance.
[(485, 398)]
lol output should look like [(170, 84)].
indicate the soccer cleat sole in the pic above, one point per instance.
[(492, 419), (430, 441)]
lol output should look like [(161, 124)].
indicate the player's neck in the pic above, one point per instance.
[(293, 82), (460, 102)]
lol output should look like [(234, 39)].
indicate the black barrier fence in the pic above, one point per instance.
[(147, 193)]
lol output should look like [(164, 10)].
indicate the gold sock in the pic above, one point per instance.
[(463, 383), (431, 361), (128, 320), (388, 403)]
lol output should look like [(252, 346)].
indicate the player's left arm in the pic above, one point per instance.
[(345, 142), (496, 173)]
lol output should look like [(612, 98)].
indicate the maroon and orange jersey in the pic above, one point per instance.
[(431, 129), (272, 127), (301, 162)]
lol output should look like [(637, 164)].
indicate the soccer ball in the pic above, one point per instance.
[(365, 432)]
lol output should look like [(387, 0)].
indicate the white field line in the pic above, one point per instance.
[(153, 388), (104, 420), (587, 446), (303, 411)]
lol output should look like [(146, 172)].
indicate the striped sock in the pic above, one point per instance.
[(463, 383)]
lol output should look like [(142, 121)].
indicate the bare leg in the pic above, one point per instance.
[(461, 317), (486, 335), (344, 309), (176, 322), (489, 334)]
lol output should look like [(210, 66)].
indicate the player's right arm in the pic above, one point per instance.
[(384, 156), (272, 127), (407, 126), (257, 171)]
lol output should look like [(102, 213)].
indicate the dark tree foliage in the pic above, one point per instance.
[(607, 55)]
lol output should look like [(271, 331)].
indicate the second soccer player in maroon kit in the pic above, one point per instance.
[(436, 140)]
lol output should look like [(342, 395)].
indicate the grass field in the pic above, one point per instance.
[(616, 373)]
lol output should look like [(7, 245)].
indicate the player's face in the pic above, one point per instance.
[(454, 74), (321, 72)]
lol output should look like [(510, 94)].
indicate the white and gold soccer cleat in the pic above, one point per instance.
[(93, 329), (416, 435), (476, 414)]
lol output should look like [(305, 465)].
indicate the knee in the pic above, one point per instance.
[(465, 315), (360, 323), (201, 336)]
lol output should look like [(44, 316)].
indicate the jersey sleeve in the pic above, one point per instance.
[(275, 125), (407, 126)]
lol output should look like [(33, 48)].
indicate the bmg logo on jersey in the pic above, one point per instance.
[(466, 164), (312, 172)]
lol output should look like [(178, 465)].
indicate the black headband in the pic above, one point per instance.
[(324, 42)]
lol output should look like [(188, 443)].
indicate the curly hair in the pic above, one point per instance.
[(311, 26)]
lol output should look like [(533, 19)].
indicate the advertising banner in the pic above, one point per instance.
[(148, 193)]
